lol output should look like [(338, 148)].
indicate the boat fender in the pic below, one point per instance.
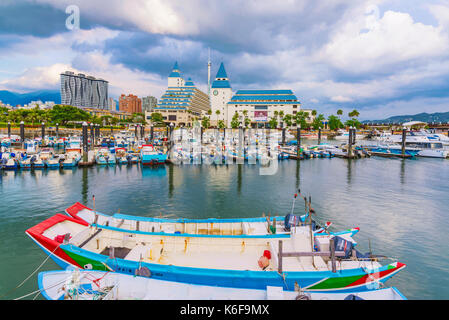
[(264, 260), (61, 237)]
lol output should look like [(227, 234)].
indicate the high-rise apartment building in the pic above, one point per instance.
[(112, 106), (83, 91), (148, 103), (130, 103)]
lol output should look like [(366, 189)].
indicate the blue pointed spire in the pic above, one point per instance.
[(221, 72), (189, 83), (175, 72)]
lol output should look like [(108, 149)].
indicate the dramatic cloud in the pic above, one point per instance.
[(382, 57)]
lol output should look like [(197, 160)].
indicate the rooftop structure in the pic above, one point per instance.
[(259, 106), (83, 91), (182, 100)]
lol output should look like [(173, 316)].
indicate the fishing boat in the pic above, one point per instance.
[(60, 143), (72, 157), (315, 263), (9, 161), (133, 158), (74, 142), (149, 155), (105, 157), (75, 284), (49, 159), (237, 226), (121, 156), (25, 162), (37, 162)]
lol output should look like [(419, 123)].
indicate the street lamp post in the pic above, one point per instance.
[(22, 132), (92, 135), (350, 143), (171, 134), (85, 142), (404, 136), (43, 132)]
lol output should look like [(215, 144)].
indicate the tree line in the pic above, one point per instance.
[(301, 118), (63, 115)]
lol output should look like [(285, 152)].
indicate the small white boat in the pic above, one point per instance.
[(72, 157), (344, 135), (76, 284)]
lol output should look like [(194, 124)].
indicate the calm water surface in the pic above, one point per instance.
[(399, 205)]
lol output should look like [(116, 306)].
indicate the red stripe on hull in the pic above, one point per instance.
[(51, 245), (74, 209), (376, 275)]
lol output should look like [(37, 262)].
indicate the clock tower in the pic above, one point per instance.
[(221, 94)]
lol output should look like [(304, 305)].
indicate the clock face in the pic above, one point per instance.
[(215, 92)]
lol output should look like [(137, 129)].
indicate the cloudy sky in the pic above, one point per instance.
[(382, 58)]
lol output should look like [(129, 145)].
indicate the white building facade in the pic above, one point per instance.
[(259, 106)]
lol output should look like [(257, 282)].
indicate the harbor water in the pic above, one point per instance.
[(399, 205)]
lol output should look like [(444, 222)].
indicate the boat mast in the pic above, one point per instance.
[(208, 76)]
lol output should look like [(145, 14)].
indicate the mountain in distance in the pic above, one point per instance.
[(14, 98), (424, 117)]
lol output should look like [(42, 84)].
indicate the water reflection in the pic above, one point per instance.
[(170, 180), (239, 178), (402, 174), (298, 169), (400, 219), (84, 184), (349, 172)]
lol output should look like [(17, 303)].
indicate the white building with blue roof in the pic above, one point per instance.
[(182, 102), (221, 94), (260, 105)]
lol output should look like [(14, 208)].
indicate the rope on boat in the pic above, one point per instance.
[(40, 290), (22, 283), (283, 278)]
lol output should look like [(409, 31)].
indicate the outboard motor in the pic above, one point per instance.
[(342, 244), (291, 220)]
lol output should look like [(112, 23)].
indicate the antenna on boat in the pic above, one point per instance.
[(294, 200)]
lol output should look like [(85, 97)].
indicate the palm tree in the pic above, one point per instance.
[(339, 112), (354, 113)]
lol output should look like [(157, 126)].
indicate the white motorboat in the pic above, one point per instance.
[(75, 284)]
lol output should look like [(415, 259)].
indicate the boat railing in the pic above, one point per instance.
[(332, 254)]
